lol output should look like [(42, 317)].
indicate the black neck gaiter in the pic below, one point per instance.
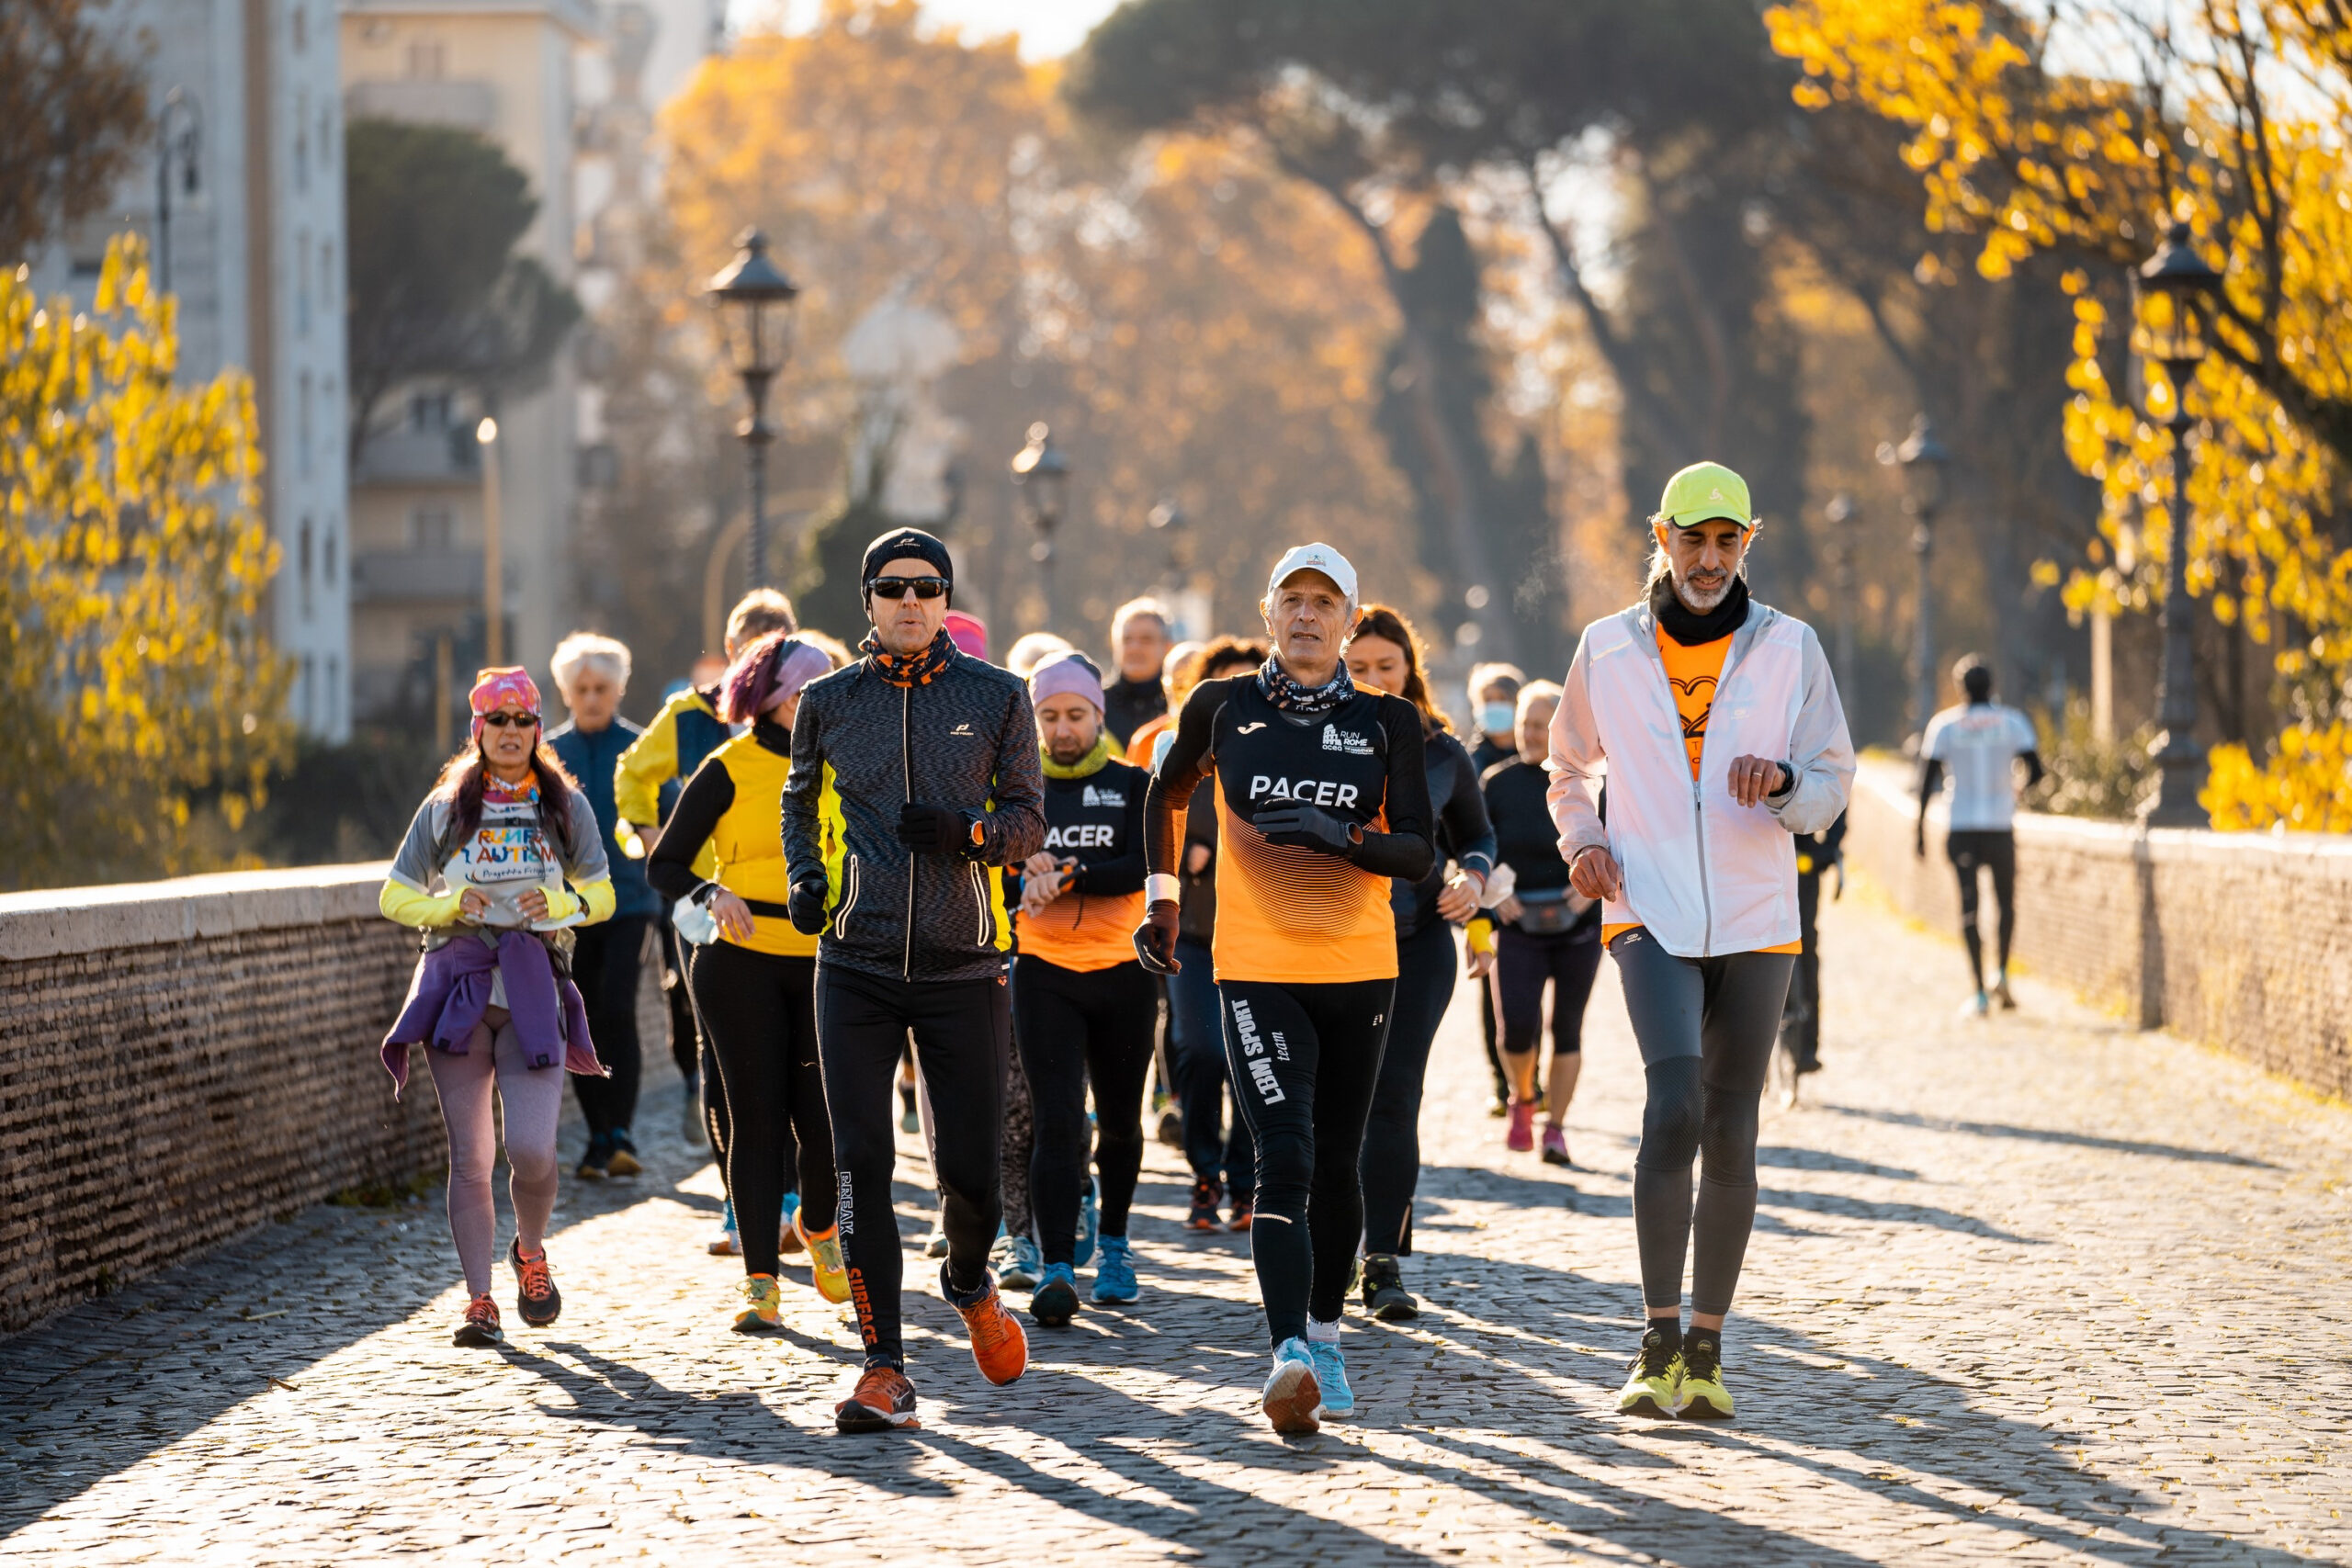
[(1689, 626)]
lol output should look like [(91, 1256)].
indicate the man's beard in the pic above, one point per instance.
[(1704, 601), (1071, 758)]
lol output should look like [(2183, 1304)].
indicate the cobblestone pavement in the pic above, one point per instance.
[(2038, 1290)]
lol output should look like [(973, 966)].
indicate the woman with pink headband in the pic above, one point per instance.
[(503, 832), (756, 987)]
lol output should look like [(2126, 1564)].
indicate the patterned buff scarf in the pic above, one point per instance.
[(909, 669), (1305, 701), (498, 790)]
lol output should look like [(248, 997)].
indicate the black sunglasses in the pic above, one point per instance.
[(900, 587), (517, 720)]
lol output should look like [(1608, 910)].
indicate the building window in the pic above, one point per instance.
[(302, 425), (302, 565), (327, 551), (309, 693), (302, 284), (301, 141), (428, 411), (430, 527), (427, 60), (335, 692), (326, 274), (297, 19)]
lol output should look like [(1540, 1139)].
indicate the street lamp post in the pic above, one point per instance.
[(2171, 293), (1041, 474), (1925, 465), (1839, 513), (179, 133), (494, 560), (754, 298)]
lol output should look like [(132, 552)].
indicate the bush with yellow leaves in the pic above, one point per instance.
[(141, 708)]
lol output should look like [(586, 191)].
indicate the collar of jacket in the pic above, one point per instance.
[(1092, 762), (1644, 621)]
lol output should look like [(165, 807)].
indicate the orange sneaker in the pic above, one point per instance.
[(535, 1297), (999, 1347), (826, 1269), (884, 1401), (480, 1330)]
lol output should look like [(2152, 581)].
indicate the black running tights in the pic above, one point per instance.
[(963, 1032), (1391, 1163), (760, 1011), (1706, 1028), (1974, 851), (606, 963), (1303, 1060), (1073, 1028)]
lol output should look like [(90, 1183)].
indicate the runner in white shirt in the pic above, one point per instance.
[(1974, 745)]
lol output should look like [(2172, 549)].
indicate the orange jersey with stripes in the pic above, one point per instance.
[(1096, 820), (1284, 911)]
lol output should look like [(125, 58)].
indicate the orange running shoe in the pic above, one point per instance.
[(1000, 1348), (884, 1401), (535, 1298), (480, 1330)]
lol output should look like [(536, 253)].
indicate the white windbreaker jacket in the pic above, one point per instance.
[(1705, 875)]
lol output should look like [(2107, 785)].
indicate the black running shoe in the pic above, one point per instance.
[(1206, 1197), (1384, 1295), (597, 1163)]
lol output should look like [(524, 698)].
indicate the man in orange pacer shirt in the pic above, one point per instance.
[(1719, 730)]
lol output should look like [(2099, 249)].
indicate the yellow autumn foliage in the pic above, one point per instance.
[(2025, 157), (142, 708)]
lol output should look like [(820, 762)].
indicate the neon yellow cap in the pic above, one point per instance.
[(1707, 492)]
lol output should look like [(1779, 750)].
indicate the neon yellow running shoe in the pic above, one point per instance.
[(1651, 1383), (1700, 1394), (826, 1269), (763, 1303)]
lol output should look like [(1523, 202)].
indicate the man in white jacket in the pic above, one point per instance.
[(1714, 723)]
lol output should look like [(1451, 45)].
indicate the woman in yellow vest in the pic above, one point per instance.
[(756, 986)]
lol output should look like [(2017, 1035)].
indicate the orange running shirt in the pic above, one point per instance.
[(1692, 672)]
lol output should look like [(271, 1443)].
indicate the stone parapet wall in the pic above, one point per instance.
[(2240, 939), (180, 1061)]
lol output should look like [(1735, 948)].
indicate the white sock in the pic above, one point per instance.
[(1322, 1333)]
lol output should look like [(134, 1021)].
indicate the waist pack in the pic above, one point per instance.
[(1550, 911)]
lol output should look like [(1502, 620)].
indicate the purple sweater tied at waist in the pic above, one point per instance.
[(450, 991)]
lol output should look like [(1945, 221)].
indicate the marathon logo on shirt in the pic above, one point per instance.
[(509, 847), (1094, 797), (1347, 740), (1306, 792), (1080, 836)]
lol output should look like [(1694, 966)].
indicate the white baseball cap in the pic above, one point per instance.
[(1318, 557)]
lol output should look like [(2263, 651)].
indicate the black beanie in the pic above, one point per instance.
[(903, 544)]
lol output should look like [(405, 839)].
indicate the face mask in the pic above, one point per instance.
[(1496, 719)]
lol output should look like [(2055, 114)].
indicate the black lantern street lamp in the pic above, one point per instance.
[(1167, 520), (1042, 475), (2173, 295), (754, 299), (1927, 465), (1839, 513)]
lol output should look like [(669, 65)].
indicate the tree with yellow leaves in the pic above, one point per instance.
[(2232, 117), (141, 707)]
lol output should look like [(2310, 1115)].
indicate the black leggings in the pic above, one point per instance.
[(1996, 851), (760, 1011), (607, 962), (1706, 1028), (1303, 1060), (1391, 1163), (1073, 1028), (1524, 965), (962, 1038)]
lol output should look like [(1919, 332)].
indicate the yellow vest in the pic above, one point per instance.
[(749, 844)]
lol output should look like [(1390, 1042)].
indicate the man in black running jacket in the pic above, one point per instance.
[(914, 775)]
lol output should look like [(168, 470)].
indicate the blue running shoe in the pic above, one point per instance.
[(1291, 1395), (724, 1242), (787, 1239), (1022, 1265), (1055, 1301), (1090, 1222), (1115, 1273), (1332, 1376)]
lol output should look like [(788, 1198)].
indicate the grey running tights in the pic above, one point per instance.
[(1706, 1028)]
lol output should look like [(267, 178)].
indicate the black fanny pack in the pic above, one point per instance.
[(1550, 911)]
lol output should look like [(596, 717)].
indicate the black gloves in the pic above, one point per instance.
[(934, 829), (1155, 939), (807, 907), (1306, 827)]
